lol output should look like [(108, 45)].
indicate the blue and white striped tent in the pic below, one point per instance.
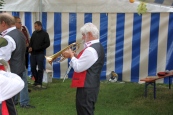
[(135, 46)]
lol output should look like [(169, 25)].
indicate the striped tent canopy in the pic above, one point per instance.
[(136, 46)]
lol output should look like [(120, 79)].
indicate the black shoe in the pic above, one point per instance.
[(27, 106), (29, 90)]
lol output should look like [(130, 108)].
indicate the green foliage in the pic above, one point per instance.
[(114, 99), (142, 8), (1, 3)]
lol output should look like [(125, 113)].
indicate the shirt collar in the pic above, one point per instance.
[(7, 30), (87, 44)]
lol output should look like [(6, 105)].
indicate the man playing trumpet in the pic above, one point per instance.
[(87, 67)]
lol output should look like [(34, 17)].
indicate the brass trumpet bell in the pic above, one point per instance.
[(58, 57)]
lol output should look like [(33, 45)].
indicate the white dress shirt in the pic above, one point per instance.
[(5, 52), (87, 59), (10, 85)]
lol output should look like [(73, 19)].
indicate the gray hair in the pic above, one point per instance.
[(7, 18), (90, 27)]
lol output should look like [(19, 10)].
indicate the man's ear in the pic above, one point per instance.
[(90, 34), (3, 23)]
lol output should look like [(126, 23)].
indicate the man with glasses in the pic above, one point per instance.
[(24, 96), (27, 35)]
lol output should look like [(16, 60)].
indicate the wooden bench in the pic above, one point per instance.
[(152, 81)]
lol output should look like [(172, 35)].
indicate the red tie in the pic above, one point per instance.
[(4, 108), (2, 67)]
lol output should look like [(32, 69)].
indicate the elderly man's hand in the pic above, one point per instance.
[(68, 53)]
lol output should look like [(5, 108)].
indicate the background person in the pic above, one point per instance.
[(9, 81), (25, 31), (38, 44), (24, 96), (10, 85), (87, 69), (14, 52)]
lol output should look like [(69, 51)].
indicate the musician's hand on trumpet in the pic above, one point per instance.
[(68, 53)]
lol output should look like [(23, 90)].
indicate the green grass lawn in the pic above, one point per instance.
[(114, 99)]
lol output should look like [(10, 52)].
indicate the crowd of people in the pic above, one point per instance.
[(16, 44), (15, 47)]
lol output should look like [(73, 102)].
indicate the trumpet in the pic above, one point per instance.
[(59, 57)]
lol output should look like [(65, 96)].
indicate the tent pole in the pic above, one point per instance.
[(40, 11)]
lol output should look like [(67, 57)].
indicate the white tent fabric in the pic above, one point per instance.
[(136, 46), (83, 6)]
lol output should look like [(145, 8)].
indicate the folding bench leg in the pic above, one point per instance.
[(170, 81), (154, 88), (146, 84)]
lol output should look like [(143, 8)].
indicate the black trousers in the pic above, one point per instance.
[(37, 60), (11, 107), (85, 100), (0, 109)]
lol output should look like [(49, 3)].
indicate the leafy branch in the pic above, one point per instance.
[(142, 8), (1, 3)]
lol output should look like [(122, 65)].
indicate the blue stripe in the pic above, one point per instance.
[(136, 40), (153, 46), (57, 43), (88, 17), (28, 21), (72, 33), (44, 27), (103, 39), (15, 14), (44, 21), (119, 44), (159, 1), (169, 55), (28, 24)]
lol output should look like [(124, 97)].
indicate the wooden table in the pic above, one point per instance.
[(152, 81)]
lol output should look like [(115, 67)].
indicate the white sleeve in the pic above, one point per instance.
[(10, 85), (86, 60), (5, 52)]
